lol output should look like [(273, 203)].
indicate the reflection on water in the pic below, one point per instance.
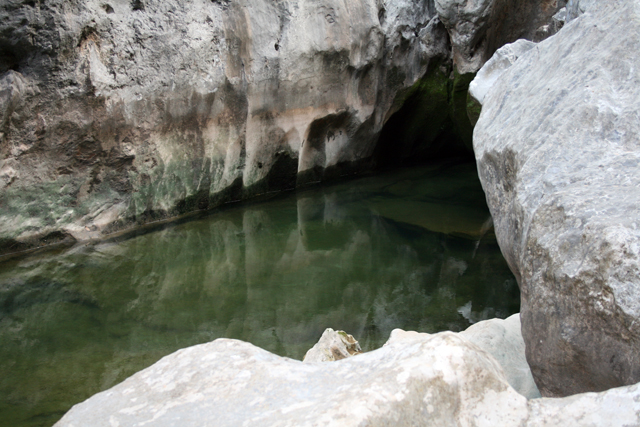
[(412, 249)]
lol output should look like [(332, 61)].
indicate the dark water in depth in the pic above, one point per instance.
[(411, 249)]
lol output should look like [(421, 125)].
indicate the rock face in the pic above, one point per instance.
[(122, 112), (478, 28), (333, 345), (118, 113), (423, 380), (557, 153)]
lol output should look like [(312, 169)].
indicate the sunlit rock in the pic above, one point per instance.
[(504, 58), (440, 380), (414, 380), (618, 407), (503, 340), (332, 346), (500, 338)]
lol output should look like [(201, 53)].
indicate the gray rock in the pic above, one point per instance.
[(427, 380), (561, 16), (557, 153), (332, 346), (576, 8), (116, 113), (504, 58), (478, 28)]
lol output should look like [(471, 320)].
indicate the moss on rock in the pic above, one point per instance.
[(430, 120)]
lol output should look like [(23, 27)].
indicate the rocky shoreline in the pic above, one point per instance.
[(117, 114), (478, 377), (104, 126)]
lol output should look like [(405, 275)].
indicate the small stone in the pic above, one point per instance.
[(332, 346)]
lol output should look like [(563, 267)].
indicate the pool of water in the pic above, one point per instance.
[(412, 249)]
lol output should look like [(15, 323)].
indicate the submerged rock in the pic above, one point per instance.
[(332, 346), (558, 154)]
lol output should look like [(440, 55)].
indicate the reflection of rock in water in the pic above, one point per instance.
[(19, 295), (321, 222), (274, 274)]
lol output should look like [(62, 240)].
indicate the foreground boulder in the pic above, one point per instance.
[(416, 380), (439, 380), (502, 339), (557, 148)]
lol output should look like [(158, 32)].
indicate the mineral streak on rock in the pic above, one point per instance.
[(120, 113)]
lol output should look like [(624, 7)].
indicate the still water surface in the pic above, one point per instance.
[(412, 249)]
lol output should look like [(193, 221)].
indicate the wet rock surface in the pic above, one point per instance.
[(557, 152)]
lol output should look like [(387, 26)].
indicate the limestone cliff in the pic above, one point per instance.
[(117, 113), (122, 112)]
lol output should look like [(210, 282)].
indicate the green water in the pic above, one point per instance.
[(411, 249)]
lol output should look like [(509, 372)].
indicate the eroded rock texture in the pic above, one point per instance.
[(333, 345), (557, 152), (123, 112), (439, 380), (502, 339), (479, 27), (415, 380)]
